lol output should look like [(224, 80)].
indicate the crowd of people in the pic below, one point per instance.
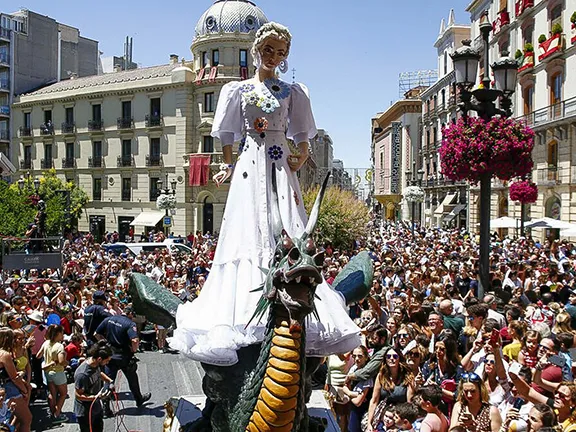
[(436, 356)]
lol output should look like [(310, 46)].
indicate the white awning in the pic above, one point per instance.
[(6, 167), (148, 218), (447, 201)]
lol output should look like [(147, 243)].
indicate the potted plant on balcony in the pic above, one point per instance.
[(551, 45), (528, 59), (573, 21), (518, 55)]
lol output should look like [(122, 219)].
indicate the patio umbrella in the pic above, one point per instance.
[(547, 222), (568, 233), (505, 222)]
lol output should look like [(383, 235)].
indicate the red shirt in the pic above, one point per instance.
[(72, 351)]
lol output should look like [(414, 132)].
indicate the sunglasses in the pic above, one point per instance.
[(491, 362), (403, 336), (392, 356), (471, 377), (414, 354), (563, 396)]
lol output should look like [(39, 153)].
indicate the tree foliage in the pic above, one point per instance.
[(18, 208), (343, 218)]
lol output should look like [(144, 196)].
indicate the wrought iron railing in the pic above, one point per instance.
[(68, 162), (68, 127), (95, 161), (94, 125), (557, 111), (125, 122), (46, 129), (153, 121), (47, 163), (125, 161), (153, 160)]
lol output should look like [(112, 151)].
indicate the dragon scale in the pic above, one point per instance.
[(277, 400)]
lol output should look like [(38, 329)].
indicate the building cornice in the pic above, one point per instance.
[(403, 106), (441, 83)]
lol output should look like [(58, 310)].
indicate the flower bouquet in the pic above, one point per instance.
[(414, 194), (166, 202), (524, 191)]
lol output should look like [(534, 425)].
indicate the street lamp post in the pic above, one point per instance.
[(166, 191), (482, 101)]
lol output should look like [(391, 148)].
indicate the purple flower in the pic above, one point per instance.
[(275, 152)]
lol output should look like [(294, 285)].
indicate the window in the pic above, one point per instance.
[(97, 113), (126, 148), (47, 116), (155, 107), (243, 58), (97, 149), (27, 120), (154, 191), (503, 5), (556, 15), (69, 114), (126, 189), (208, 144), (428, 106), (69, 151), (427, 137), (445, 63), (209, 102), (435, 102), (96, 189), (205, 59), (556, 88), (434, 135), (553, 154), (126, 109), (528, 35), (155, 147), (47, 156), (443, 98), (528, 96), (215, 57)]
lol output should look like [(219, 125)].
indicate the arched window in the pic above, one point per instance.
[(556, 88), (553, 155), (528, 96), (528, 35), (556, 15)]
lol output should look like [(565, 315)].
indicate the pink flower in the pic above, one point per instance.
[(524, 192)]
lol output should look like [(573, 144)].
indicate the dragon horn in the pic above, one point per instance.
[(276, 219), (315, 210)]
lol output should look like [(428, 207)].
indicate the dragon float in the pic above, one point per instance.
[(268, 388)]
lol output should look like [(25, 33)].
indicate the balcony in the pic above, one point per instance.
[(426, 117), (95, 125), (548, 176), (46, 164), (4, 110), (125, 161), (4, 85), (4, 135), (68, 128), (5, 33), (125, 122), (500, 22), (522, 6), (68, 162), (153, 160), (452, 101), (527, 62), (551, 47), (95, 162), (434, 113), (126, 195), (25, 131), (551, 113), (26, 164), (4, 59), (47, 129), (153, 121)]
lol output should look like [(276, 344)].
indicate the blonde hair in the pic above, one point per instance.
[(562, 323), (273, 30)]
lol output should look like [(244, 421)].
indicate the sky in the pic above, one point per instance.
[(348, 53)]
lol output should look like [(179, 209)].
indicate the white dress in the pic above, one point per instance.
[(213, 327)]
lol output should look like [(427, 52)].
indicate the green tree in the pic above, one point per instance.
[(343, 218), (19, 207)]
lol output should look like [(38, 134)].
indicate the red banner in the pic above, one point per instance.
[(199, 170)]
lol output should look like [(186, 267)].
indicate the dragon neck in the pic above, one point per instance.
[(277, 402)]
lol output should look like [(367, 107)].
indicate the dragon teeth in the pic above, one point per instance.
[(313, 281), (298, 279)]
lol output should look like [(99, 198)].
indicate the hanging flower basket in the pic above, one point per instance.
[(500, 147), (524, 191), (166, 202), (414, 194)]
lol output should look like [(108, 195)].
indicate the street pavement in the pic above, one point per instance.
[(164, 375)]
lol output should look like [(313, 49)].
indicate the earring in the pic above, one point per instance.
[(283, 66)]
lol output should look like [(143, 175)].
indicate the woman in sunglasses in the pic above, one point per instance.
[(472, 409), (358, 392), (444, 369), (394, 384)]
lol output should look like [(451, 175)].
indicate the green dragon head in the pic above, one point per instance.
[(294, 270)]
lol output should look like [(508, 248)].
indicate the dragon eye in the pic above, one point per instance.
[(310, 246), (287, 244)]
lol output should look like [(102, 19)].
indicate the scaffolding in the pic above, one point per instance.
[(415, 80)]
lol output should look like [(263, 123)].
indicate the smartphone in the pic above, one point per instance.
[(515, 368), (518, 403), (494, 336)]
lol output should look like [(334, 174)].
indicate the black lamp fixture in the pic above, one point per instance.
[(482, 100), (36, 184)]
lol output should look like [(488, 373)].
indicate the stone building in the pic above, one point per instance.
[(444, 201), (540, 34), (35, 51), (116, 135)]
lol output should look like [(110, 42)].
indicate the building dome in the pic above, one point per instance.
[(230, 16)]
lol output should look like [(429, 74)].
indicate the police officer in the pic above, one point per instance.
[(121, 333), (94, 315)]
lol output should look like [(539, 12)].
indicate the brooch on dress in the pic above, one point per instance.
[(275, 152), (268, 104), (279, 89), (261, 125)]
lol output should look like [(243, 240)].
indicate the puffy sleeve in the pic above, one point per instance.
[(228, 124), (301, 124)]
